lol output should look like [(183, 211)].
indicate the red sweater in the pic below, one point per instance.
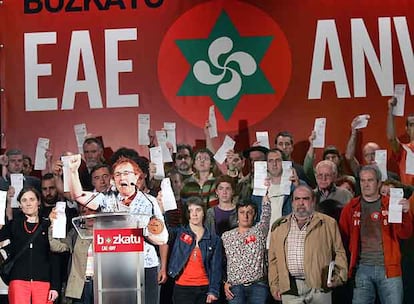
[(349, 225)]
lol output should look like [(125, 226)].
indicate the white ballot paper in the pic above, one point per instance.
[(409, 161), (213, 122), (162, 142), (66, 171), (168, 197), (362, 121), (59, 224), (399, 93), (330, 273), (80, 133), (156, 158), (381, 161), (263, 139), (16, 180), (40, 158), (3, 201), (319, 128), (221, 154), (169, 127), (144, 121), (395, 209), (260, 175), (285, 182)]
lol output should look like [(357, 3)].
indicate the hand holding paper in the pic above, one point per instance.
[(320, 126), (59, 224)]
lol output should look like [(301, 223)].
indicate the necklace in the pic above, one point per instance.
[(195, 254), (27, 228)]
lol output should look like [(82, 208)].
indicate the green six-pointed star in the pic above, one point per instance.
[(225, 66)]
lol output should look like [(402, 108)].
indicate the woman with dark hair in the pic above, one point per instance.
[(196, 258), (34, 277), (245, 250), (202, 182)]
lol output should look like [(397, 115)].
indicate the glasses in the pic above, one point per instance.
[(123, 173), (199, 158), (181, 157)]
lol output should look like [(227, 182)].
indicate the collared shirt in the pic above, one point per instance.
[(276, 198), (295, 247), (343, 196)]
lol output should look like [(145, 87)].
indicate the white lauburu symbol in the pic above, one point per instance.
[(230, 89)]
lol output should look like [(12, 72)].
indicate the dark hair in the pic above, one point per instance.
[(95, 140), (28, 158), (47, 176), (194, 200), (212, 161), (346, 179), (100, 166), (125, 152), (284, 134), (274, 150), (226, 179), (185, 146), (245, 202), (28, 189), (330, 207)]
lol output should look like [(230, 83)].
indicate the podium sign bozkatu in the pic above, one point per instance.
[(118, 244)]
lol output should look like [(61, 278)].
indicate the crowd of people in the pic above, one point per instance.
[(327, 238)]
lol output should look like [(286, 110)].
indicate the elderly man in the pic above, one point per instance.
[(325, 174), (373, 242), (302, 246), (368, 152)]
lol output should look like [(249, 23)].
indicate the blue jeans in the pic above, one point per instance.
[(87, 294), (255, 293), (369, 279)]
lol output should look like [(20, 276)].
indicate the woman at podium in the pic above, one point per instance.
[(128, 197)]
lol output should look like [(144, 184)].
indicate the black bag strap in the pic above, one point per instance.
[(26, 245)]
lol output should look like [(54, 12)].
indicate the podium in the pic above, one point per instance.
[(118, 244)]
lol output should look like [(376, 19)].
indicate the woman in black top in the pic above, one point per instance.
[(32, 278)]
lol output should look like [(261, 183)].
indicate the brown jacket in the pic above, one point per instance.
[(323, 244)]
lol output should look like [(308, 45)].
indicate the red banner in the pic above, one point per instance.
[(118, 240)]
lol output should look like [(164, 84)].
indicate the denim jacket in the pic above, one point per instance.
[(183, 241)]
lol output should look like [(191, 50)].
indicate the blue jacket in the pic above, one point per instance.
[(183, 241)]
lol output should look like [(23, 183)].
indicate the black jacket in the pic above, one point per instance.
[(36, 263)]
